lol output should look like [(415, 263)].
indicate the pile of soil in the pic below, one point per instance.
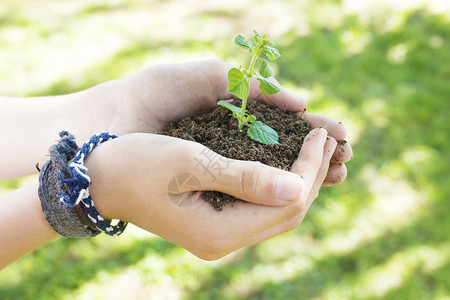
[(218, 131)]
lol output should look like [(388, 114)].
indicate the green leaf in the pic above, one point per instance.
[(270, 42), (258, 37), (242, 42), (271, 52), (237, 84), (233, 108), (264, 68), (251, 119), (262, 133), (266, 87)]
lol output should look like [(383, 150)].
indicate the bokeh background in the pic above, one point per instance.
[(381, 67)]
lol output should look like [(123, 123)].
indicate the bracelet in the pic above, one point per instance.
[(64, 190)]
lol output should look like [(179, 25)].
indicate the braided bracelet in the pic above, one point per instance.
[(75, 214)]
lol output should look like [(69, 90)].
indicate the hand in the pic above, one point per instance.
[(146, 102), (149, 100), (131, 183)]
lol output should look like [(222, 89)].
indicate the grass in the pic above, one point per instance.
[(383, 71)]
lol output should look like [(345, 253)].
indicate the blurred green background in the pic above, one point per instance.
[(381, 67)]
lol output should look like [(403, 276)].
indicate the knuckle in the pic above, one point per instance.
[(218, 64), (248, 181), (154, 71), (312, 159), (253, 182), (184, 153), (189, 149)]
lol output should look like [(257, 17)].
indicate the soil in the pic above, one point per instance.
[(218, 131)]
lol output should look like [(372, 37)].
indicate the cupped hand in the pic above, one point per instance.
[(149, 100), (157, 182)]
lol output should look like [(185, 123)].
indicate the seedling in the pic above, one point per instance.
[(239, 82)]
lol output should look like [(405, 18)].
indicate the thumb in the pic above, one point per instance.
[(255, 182)]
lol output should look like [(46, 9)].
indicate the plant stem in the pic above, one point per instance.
[(249, 76)]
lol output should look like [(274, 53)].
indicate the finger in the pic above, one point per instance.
[(335, 129), (336, 174), (252, 181), (295, 221), (328, 151), (310, 159), (284, 100), (227, 225), (343, 153), (260, 217)]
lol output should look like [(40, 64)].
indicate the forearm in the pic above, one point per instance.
[(28, 126), (23, 225)]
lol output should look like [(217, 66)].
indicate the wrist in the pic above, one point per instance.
[(107, 106), (96, 109), (104, 184)]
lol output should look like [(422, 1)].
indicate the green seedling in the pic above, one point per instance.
[(239, 82)]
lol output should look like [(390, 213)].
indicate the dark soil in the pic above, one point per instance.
[(218, 131)]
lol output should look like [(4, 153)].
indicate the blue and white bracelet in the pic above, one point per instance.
[(79, 187), (64, 190)]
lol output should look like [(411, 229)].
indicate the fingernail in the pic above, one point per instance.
[(320, 131), (330, 146), (289, 187)]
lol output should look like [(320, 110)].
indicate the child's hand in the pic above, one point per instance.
[(149, 100), (137, 168), (132, 177)]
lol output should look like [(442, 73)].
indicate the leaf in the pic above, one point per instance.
[(264, 69), (266, 87), (271, 52), (262, 133), (258, 37), (237, 84), (251, 119), (242, 42), (233, 108), (270, 42)]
